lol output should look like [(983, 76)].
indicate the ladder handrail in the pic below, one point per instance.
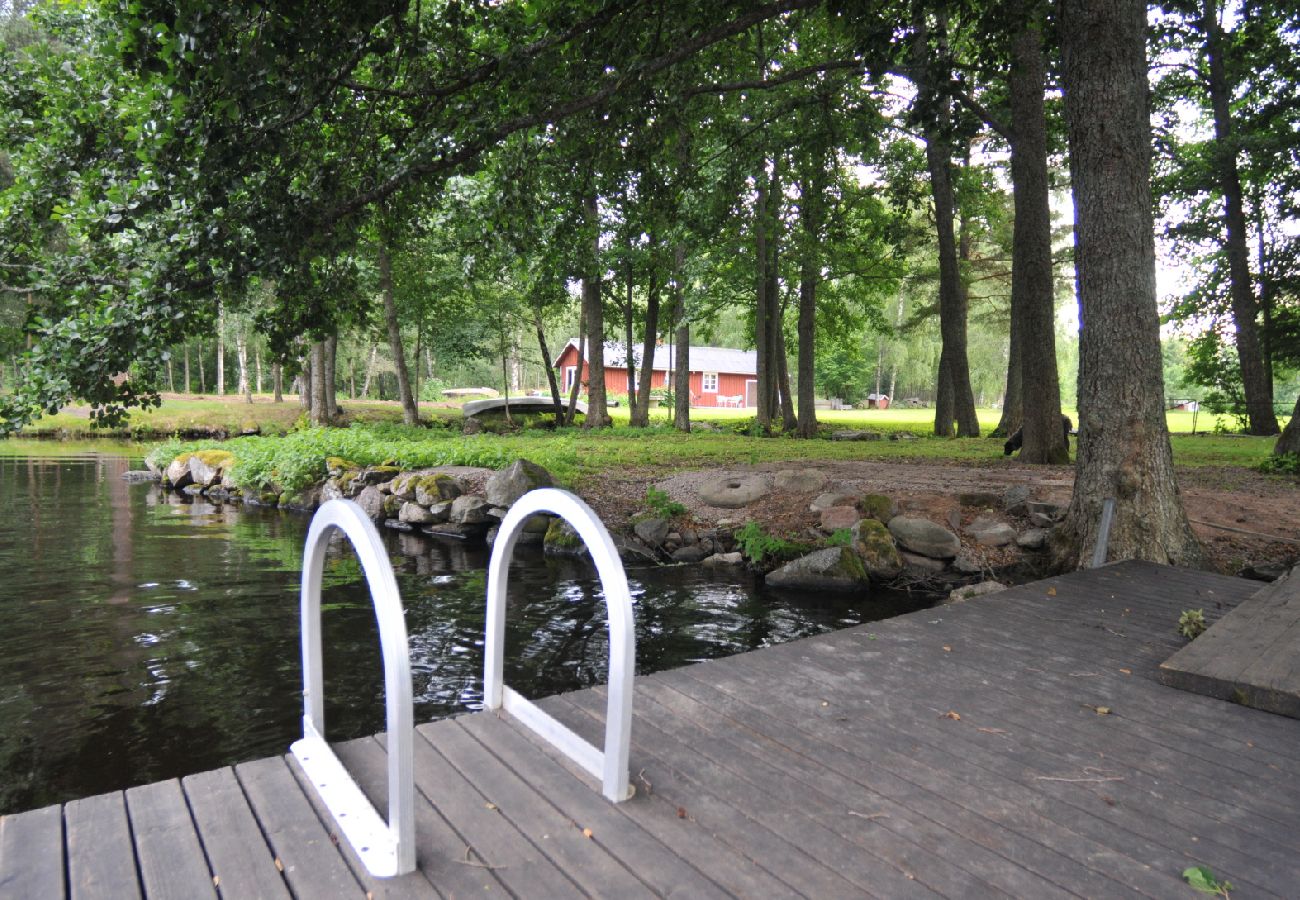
[(385, 849), (609, 765)]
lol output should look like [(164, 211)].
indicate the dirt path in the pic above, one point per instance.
[(1223, 503)]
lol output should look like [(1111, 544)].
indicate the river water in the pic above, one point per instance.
[(144, 636)]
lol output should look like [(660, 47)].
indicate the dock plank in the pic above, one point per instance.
[(958, 751), (303, 849), (491, 839), (31, 854), (167, 845), (242, 863), (586, 861), (667, 871), (440, 853), (101, 856), (411, 886), (1251, 656)]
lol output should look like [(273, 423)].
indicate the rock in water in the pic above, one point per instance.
[(831, 569), (521, 476), (371, 501), (924, 537), (470, 510)]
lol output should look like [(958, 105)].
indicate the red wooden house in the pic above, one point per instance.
[(719, 376)]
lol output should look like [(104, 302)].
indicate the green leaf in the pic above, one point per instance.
[(1201, 878)]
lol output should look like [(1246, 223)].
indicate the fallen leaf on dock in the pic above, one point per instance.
[(947, 649), (681, 812), (951, 714), (1099, 710), (1051, 592), (992, 730), (1127, 671), (586, 832)]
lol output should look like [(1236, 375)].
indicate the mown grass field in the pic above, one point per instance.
[(376, 437)]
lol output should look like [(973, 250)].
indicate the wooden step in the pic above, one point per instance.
[(1251, 656)]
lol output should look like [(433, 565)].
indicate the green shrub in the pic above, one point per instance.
[(661, 504), (1286, 464), (758, 545)]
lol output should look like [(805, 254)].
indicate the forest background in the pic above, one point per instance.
[(871, 195)]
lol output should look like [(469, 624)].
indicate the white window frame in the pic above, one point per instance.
[(704, 383)]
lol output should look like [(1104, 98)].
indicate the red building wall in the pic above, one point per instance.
[(730, 384)]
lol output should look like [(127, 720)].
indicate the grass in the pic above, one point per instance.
[(572, 453)]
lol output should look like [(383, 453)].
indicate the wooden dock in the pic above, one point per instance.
[(1251, 656), (1015, 745)]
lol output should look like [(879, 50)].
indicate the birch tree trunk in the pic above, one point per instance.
[(221, 348), (241, 354), (277, 382)]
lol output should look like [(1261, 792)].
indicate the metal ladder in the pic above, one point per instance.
[(388, 848)]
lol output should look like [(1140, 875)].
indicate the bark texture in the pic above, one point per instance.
[(641, 410), (1255, 379), (1032, 306), (410, 412), (956, 400), (1124, 449), (597, 404), (1289, 441)]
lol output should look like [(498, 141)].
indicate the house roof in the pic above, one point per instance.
[(702, 359)]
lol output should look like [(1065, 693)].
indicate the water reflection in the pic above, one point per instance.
[(149, 635)]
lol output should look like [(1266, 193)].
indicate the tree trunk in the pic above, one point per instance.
[(331, 371), (319, 406), (786, 397), (257, 366), (550, 369), (1032, 296), (577, 377), (304, 383), (682, 364), (1289, 440), (809, 270), (370, 370), (779, 399), (277, 382), (410, 412), (1259, 391), (1013, 398), (954, 364), (641, 412), (597, 404), (221, 348), (627, 339), (203, 379), (762, 325), (188, 389), (241, 355), (1124, 450), (171, 376)]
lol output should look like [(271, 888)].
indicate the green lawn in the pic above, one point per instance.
[(574, 452)]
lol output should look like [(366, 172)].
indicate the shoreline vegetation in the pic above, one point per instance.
[(719, 435), (264, 454)]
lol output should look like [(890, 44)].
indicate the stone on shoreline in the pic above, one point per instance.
[(509, 484), (831, 569), (923, 537)]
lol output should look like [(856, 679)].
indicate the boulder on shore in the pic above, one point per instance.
[(923, 537), (875, 545), (735, 491), (831, 569), (509, 484)]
